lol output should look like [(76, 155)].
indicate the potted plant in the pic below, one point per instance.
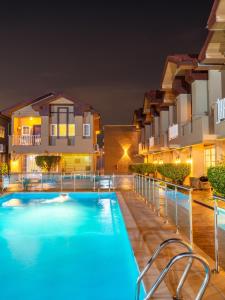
[(204, 183)]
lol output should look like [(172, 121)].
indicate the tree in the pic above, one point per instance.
[(47, 162)]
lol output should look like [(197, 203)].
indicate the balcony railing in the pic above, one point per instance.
[(26, 140)]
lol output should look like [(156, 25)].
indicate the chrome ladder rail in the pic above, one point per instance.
[(154, 257), (171, 263)]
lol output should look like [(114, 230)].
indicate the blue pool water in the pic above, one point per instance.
[(77, 249)]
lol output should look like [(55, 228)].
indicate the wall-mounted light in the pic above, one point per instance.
[(189, 160), (178, 161)]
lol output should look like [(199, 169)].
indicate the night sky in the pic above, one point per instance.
[(103, 53)]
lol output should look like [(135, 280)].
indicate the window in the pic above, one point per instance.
[(210, 157), (26, 130), (53, 130), (71, 130), (62, 130), (86, 130), (2, 132)]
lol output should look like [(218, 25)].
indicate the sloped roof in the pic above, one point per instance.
[(216, 19), (174, 65), (46, 99)]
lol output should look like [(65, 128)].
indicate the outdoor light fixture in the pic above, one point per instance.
[(178, 161), (189, 160)]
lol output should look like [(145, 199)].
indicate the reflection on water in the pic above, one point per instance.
[(18, 202)]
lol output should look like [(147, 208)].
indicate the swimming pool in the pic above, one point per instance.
[(70, 246)]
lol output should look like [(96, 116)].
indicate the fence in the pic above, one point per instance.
[(171, 201), (219, 226), (66, 182)]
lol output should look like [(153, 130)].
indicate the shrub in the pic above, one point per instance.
[(47, 162), (143, 168), (216, 176), (4, 169), (176, 172)]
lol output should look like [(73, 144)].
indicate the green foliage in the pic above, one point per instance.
[(216, 176), (47, 162), (4, 169), (176, 172), (143, 168)]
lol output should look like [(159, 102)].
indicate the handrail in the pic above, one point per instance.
[(166, 182), (153, 258), (171, 263)]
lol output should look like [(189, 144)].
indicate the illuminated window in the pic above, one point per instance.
[(71, 128), (86, 130), (26, 130), (53, 130), (2, 132), (210, 157), (62, 130)]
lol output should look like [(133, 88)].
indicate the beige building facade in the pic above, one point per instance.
[(53, 125), (185, 120)]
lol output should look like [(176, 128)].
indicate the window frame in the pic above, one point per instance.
[(86, 125)]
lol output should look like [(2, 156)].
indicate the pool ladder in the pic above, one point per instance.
[(190, 255)]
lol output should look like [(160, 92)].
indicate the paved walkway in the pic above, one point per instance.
[(151, 232)]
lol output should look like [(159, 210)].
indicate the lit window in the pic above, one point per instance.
[(26, 130), (62, 130), (2, 132), (53, 130), (86, 130), (71, 128), (210, 157)]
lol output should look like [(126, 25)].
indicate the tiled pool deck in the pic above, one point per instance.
[(146, 232)]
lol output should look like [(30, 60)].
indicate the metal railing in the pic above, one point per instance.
[(171, 201), (219, 232), (192, 256), (66, 182), (26, 140), (154, 257)]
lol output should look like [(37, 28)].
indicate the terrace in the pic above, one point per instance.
[(154, 211)]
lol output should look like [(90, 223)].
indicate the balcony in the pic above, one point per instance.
[(26, 140), (195, 131)]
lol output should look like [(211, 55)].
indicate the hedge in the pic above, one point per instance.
[(143, 168), (176, 172), (216, 176)]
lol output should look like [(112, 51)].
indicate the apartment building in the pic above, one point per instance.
[(4, 128), (53, 124), (186, 118)]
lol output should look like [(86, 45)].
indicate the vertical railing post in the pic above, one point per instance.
[(216, 236), (61, 182), (153, 194), (176, 211), (22, 181), (142, 185), (113, 181), (42, 182), (94, 182), (191, 217), (166, 205), (74, 182), (149, 189)]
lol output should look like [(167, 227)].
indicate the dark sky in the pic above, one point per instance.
[(104, 53)]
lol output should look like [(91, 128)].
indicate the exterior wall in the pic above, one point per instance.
[(4, 141), (199, 98), (82, 144), (121, 148), (218, 92), (183, 108)]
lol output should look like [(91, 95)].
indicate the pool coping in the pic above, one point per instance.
[(141, 250)]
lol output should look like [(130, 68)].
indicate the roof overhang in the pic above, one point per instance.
[(216, 19)]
